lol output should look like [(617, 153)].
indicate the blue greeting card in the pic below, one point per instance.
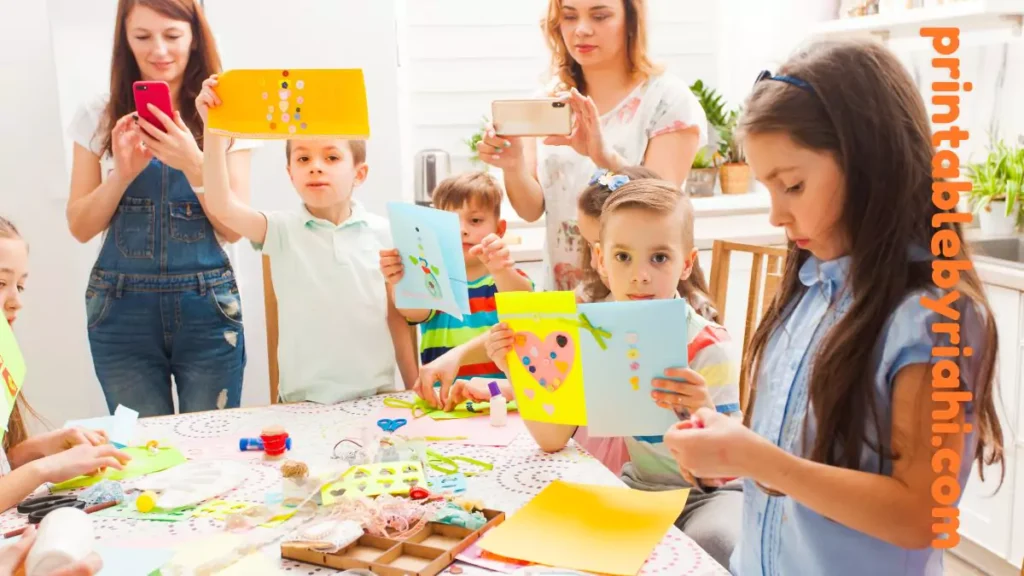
[(430, 244), (630, 344)]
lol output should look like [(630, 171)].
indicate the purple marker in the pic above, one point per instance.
[(245, 444)]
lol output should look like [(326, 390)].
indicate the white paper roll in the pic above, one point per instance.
[(65, 536)]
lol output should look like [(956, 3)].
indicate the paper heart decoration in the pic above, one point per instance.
[(548, 362)]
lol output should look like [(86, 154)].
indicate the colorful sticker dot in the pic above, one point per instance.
[(543, 382), (634, 381), (553, 355), (634, 366), (533, 369), (270, 117), (270, 109), (283, 105)]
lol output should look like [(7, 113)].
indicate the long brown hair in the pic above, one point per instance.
[(16, 429), (203, 61), (570, 73), (662, 197), (860, 105)]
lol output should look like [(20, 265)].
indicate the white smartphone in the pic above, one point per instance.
[(537, 117)]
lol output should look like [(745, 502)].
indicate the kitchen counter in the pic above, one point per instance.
[(724, 218)]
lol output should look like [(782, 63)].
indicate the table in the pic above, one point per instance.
[(520, 471)]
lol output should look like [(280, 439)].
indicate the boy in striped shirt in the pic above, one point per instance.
[(452, 350)]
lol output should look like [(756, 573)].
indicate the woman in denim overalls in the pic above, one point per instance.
[(162, 299)]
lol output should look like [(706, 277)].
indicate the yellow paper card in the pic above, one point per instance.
[(281, 104), (12, 370), (602, 529), (545, 364)]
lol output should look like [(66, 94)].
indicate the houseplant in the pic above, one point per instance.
[(473, 140), (701, 180), (997, 189), (734, 173)]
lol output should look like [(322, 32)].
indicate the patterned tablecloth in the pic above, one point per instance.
[(520, 471)]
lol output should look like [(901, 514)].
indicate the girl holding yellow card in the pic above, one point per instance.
[(644, 250)]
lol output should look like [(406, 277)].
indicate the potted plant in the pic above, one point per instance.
[(734, 173), (701, 179), (998, 185), (473, 140)]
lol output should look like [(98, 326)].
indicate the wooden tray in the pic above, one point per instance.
[(424, 553)]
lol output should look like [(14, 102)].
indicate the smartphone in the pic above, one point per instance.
[(539, 117), (157, 93)]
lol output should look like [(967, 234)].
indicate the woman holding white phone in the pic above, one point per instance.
[(162, 299), (626, 112)]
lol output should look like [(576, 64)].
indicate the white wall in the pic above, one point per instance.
[(51, 329)]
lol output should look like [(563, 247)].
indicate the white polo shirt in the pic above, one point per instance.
[(334, 343)]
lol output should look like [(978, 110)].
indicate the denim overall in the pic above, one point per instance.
[(163, 301)]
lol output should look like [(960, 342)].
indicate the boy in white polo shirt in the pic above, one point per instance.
[(340, 334)]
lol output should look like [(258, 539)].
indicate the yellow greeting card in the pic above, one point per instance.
[(545, 364), (282, 104), (12, 370), (601, 529)]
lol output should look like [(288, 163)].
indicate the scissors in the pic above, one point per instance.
[(37, 508), (388, 425)]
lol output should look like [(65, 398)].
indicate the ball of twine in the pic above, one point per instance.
[(294, 469)]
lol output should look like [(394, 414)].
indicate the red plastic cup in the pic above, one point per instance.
[(274, 444)]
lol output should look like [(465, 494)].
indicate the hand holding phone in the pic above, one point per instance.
[(157, 93), (539, 117)]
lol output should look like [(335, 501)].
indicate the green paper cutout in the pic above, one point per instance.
[(414, 260), (12, 373), (142, 463)]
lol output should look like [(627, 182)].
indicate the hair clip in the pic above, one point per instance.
[(608, 179), (791, 80), (600, 172)]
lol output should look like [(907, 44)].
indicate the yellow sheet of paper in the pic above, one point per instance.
[(600, 529), (545, 364), (300, 103), (12, 370)]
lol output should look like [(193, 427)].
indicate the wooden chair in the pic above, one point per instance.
[(270, 309), (765, 277)]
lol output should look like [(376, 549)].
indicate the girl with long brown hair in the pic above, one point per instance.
[(162, 299), (838, 457), (627, 112), (645, 250), (27, 462)]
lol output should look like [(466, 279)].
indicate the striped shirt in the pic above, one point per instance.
[(441, 332), (711, 354)]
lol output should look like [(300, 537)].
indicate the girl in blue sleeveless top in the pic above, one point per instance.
[(872, 369), (162, 299)]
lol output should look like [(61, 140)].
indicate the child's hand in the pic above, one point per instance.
[(712, 445), (67, 438), (207, 97), (80, 460), (687, 396), (13, 557), (493, 253), (391, 266), (499, 344), (443, 370)]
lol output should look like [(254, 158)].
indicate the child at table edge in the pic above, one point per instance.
[(645, 251), (872, 371), (26, 463), (452, 351), (324, 266)]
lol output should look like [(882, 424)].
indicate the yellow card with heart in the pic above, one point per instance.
[(282, 104), (545, 364), (12, 372)]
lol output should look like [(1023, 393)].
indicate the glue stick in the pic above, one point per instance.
[(499, 406), (65, 536)]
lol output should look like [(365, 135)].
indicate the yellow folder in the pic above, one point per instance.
[(282, 104)]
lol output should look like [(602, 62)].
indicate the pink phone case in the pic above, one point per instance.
[(157, 93)]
